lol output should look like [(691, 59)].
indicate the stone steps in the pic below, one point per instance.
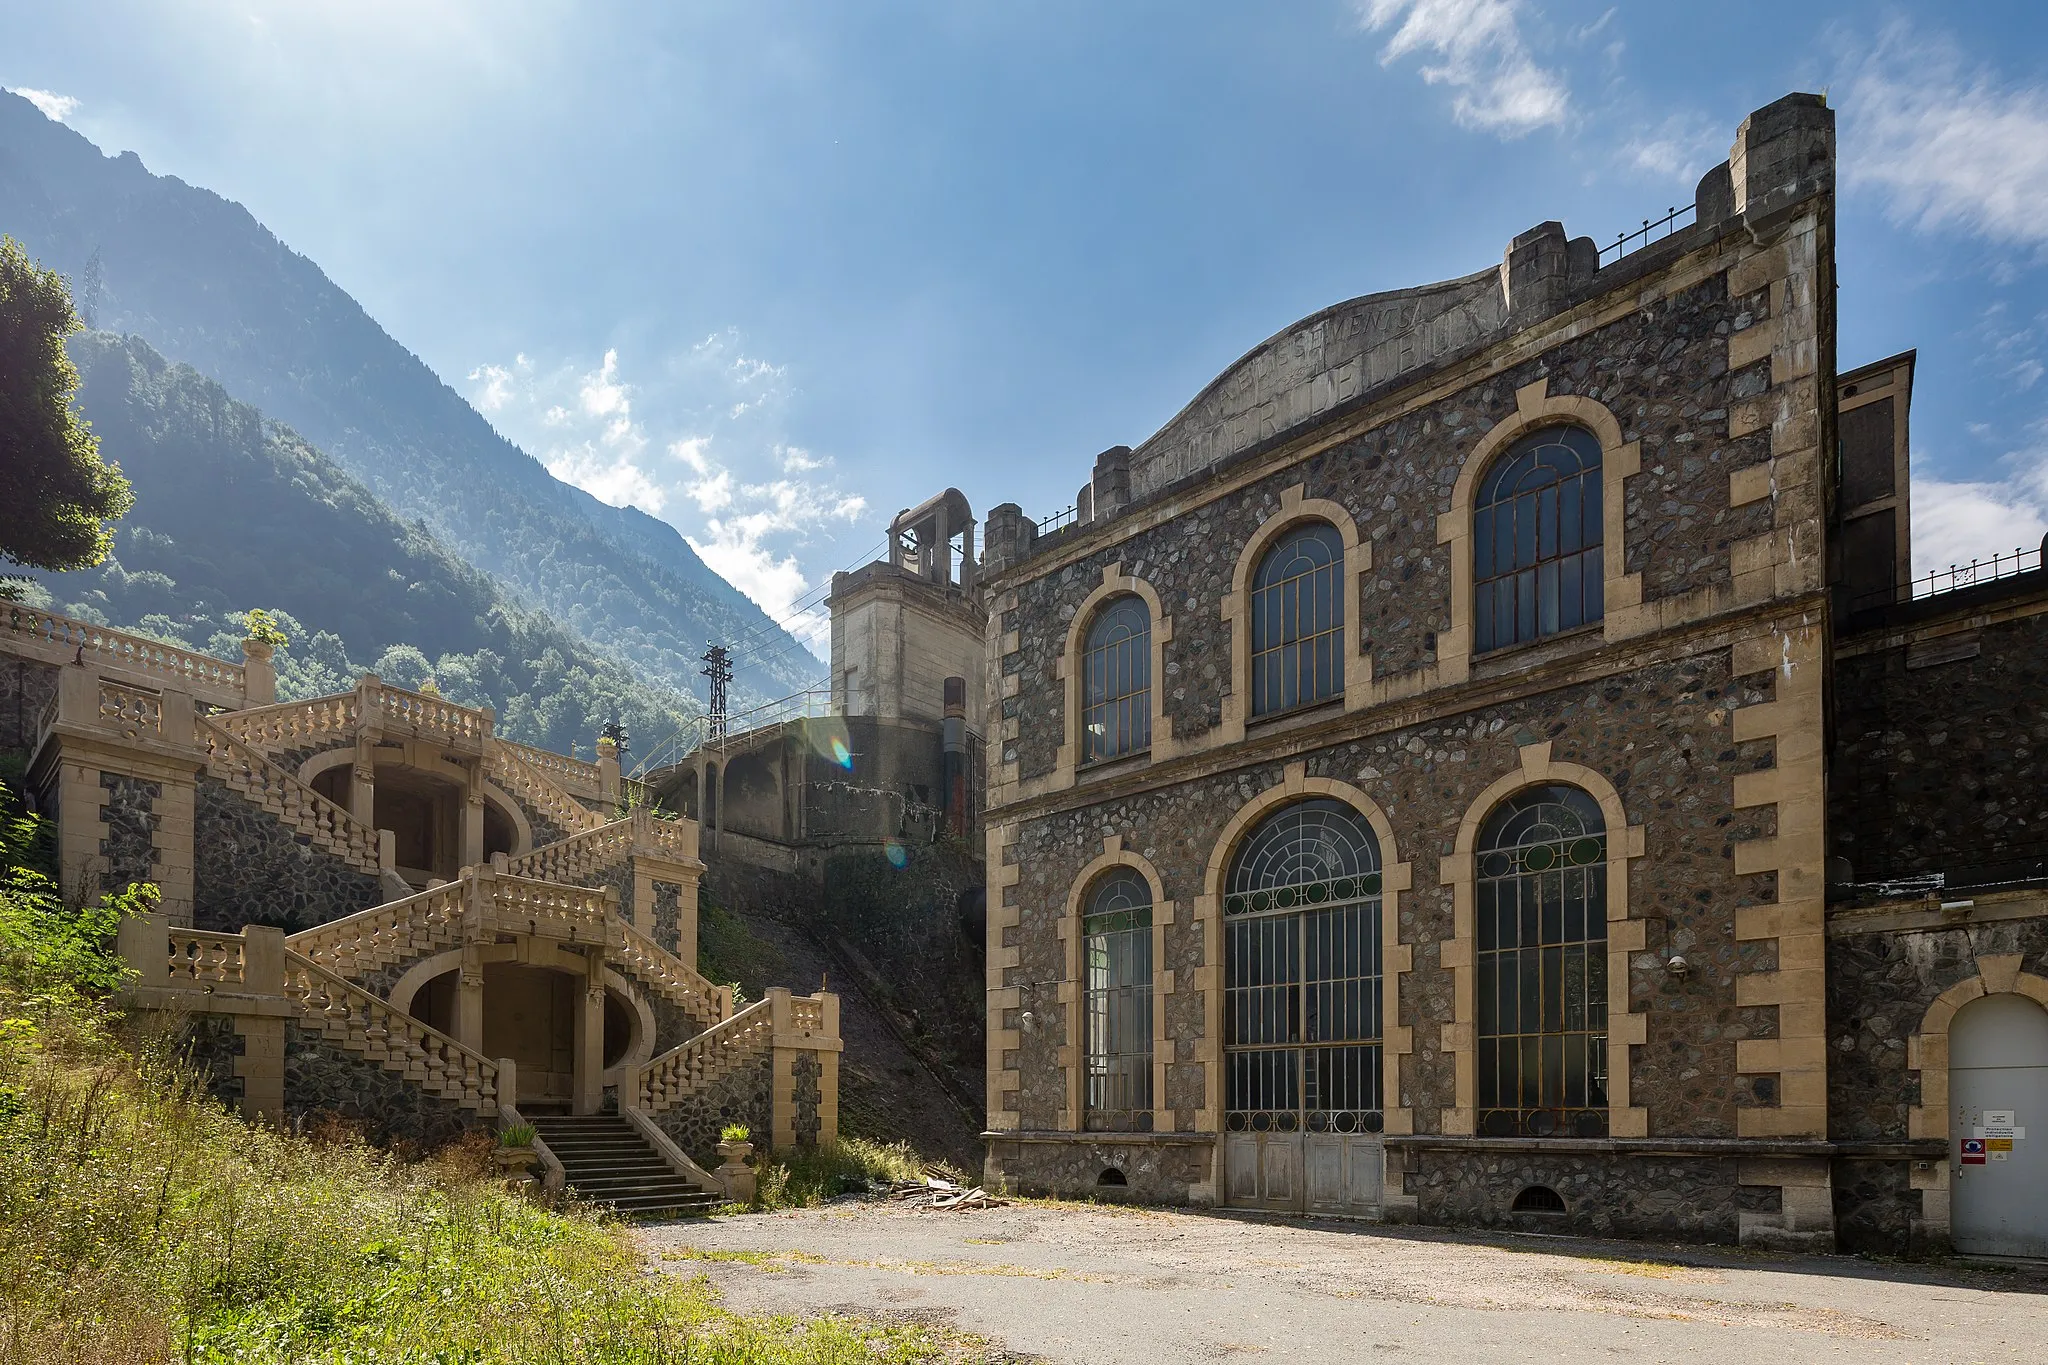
[(606, 1161)]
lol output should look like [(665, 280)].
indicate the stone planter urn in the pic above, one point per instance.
[(514, 1163), (735, 1174)]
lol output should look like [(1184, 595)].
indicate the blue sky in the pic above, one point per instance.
[(772, 270)]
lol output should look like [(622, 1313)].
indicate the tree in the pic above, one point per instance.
[(56, 494), (91, 289)]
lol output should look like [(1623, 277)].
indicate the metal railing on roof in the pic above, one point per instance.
[(1653, 229), (1060, 519), (1954, 577)]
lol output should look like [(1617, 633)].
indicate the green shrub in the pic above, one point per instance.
[(735, 1132), (517, 1135), (805, 1179)]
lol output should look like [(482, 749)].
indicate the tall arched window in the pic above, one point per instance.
[(1116, 681), (1116, 956), (1302, 974), (1536, 529), (1297, 612), (1541, 911)]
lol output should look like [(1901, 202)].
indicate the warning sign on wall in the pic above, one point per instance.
[(1973, 1151)]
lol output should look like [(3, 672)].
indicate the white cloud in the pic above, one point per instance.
[(53, 105), (688, 444), (1480, 53), (1680, 148), (1954, 523), (1951, 147)]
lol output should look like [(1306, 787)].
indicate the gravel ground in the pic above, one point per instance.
[(1104, 1286)]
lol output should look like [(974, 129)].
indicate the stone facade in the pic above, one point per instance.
[(250, 869), (742, 1095), (322, 1080), (131, 820), (1694, 715)]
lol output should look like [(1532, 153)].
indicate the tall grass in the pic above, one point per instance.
[(142, 1222), (804, 1179)]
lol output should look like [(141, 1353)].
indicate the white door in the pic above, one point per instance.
[(1343, 1172), (1998, 1093), (1262, 1171)]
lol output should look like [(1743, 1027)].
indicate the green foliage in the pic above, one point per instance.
[(142, 1222), (735, 1132), (805, 1179), (517, 1135), (53, 961), (356, 588), (260, 626), (56, 495)]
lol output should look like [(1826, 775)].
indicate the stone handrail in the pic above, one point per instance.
[(215, 680), (687, 1068), (578, 857), (384, 935), (578, 914), (205, 958), (245, 770), (130, 711), (577, 776), (703, 1000), (429, 715), (292, 724), (523, 779), (353, 1018), (806, 1015)]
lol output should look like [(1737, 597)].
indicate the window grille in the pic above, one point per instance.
[(1536, 532), (1302, 984), (1297, 607), (1541, 916), (1116, 681), (1116, 951)]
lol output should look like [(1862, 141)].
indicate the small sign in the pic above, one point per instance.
[(1997, 1144), (1973, 1151), (1998, 1118)]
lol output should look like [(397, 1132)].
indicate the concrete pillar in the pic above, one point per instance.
[(473, 820), (608, 770), (589, 1088), (259, 675), (362, 787), (469, 1000), (261, 1065), (508, 1084), (144, 943)]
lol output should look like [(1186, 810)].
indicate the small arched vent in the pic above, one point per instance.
[(1113, 1177), (1538, 1199)]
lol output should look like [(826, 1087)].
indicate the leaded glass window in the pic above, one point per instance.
[(1116, 681), (1536, 529), (1302, 974), (1116, 954), (1297, 606), (1541, 920)]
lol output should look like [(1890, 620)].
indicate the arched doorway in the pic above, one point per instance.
[(1303, 1012), (1998, 1093), (530, 1014)]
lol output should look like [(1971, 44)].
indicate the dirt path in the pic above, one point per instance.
[(1090, 1286)]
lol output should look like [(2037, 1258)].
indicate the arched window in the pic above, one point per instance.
[(1536, 539), (1302, 974), (1298, 619), (1116, 681), (1541, 910), (1116, 955)]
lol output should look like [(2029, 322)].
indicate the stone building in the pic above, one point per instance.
[(1416, 772), (374, 906)]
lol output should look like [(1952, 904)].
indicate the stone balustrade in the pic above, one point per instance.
[(290, 725), (388, 934), (579, 777), (796, 1037), (509, 768), (67, 640), (463, 727), (202, 958), (328, 826), (704, 1001), (666, 1080), (579, 857), (129, 711), (354, 1019)]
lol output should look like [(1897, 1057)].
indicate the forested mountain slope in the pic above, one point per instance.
[(209, 286), (233, 511)]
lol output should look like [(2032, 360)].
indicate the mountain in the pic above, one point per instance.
[(209, 286), (233, 511)]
